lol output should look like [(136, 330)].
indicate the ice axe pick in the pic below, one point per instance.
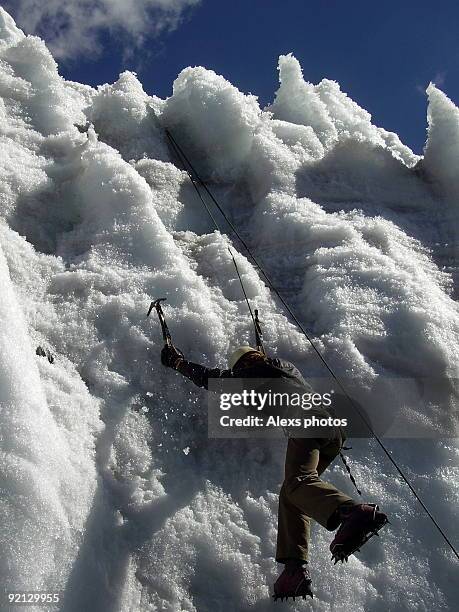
[(166, 333)]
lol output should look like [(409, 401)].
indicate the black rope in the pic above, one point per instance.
[(245, 294), (196, 179), (348, 469), (181, 159), (193, 180)]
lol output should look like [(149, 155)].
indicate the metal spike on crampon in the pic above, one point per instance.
[(296, 594), (286, 597)]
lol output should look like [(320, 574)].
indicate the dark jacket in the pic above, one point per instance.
[(270, 368)]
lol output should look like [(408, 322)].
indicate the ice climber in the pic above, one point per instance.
[(303, 494)]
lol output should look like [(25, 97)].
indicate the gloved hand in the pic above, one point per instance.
[(170, 356)]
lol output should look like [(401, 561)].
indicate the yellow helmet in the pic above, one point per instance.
[(238, 354)]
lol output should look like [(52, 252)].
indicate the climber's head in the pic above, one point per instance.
[(244, 357)]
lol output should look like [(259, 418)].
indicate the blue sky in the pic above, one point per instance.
[(383, 54)]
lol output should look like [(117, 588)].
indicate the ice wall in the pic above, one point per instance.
[(112, 492), (48, 476), (441, 150)]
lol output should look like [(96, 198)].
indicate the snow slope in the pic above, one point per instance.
[(111, 492)]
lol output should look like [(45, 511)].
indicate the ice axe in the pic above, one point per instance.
[(166, 333), (258, 333)]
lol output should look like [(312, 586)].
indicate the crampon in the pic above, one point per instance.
[(362, 523), (293, 584)]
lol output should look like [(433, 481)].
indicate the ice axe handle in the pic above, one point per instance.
[(258, 333), (166, 333)]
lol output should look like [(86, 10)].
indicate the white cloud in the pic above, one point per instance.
[(73, 27)]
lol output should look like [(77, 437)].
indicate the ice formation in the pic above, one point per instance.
[(99, 500)]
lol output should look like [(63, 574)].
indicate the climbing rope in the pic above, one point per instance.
[(348, 469), (197, 182)]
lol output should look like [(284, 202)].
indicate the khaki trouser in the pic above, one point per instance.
[(304, 495)]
